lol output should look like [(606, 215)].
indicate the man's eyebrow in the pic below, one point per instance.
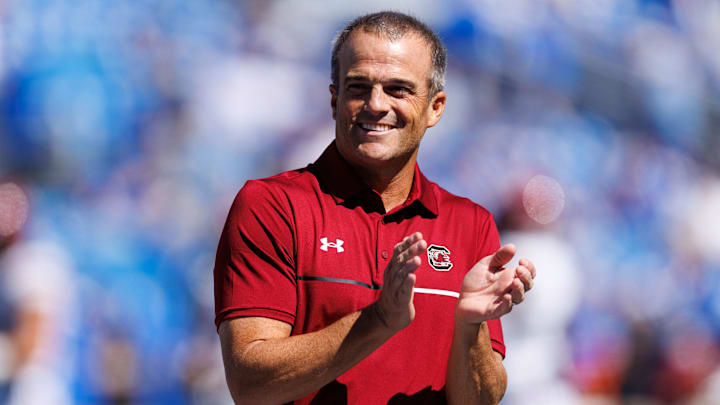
[(402, 82), (357, 78), (395, 81)]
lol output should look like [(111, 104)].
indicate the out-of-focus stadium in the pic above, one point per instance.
[(130, 125)]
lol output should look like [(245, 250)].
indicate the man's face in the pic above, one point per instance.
[(381, 106)]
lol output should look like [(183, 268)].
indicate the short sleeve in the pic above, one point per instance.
[(489, 243), (254, 271)]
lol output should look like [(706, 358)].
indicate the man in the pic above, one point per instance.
[(314, 305)]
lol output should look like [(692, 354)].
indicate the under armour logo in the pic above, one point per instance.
[(335, 245)]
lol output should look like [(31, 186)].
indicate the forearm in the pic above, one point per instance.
[(284, 369), (475, 374)]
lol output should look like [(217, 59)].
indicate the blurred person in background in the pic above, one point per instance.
[(538, 333), (35, 303), (304, 311)]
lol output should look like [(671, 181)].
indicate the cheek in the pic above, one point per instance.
[(348, 111), (413, 112)]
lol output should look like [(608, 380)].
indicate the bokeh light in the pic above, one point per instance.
[(14, 207), (543, 199)]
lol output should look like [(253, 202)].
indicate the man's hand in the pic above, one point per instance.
[(489, 290), (395, 306)]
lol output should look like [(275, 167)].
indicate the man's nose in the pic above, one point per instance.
[(377, 102)]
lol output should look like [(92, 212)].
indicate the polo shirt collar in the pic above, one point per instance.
[(344, 184)]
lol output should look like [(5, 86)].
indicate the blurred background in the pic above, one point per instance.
[(127, 127)]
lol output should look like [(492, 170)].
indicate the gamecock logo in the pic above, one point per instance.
[(439, 257)]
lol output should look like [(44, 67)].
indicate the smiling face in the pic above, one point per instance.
[(381, 107)]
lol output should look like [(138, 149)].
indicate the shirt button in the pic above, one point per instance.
[(384, 254)]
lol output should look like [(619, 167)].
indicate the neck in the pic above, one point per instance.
[(392, 182)]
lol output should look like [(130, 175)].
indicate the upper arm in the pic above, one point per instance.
[(254, 272), (241, 332), (237, 337)]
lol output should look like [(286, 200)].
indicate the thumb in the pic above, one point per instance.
[(501, 256)]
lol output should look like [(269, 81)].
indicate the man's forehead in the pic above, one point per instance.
[(392, 49), (389, 39)]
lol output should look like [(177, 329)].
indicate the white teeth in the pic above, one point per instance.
[(375, 127)]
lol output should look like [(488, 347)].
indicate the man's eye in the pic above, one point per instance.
[(398, 90), (357, 87)]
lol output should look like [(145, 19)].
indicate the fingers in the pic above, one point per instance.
[(528, 265), (503, 279), (501, 256), (410, 247), (395, 304), (507, 301), (406, 259), (405, 243), (523, 282), (517, 291), (490, 290), (407, 285), (525, 275), (511, 284)]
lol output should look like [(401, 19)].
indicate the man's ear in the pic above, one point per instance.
[(333, 100), (436, 108)]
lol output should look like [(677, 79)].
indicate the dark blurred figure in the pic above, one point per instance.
[(644, 363), (668, 368), (114, 364)]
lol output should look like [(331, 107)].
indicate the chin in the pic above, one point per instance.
[(368, 153), (373, 153)]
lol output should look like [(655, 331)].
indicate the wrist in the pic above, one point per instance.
[(467, 330), (466, 313), (378, 320)]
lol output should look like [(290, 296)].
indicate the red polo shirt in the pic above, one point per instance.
[(310, 246)]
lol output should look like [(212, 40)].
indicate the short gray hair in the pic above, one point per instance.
[(395, 25)]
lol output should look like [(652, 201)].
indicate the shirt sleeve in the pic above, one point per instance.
[(489, 242), (254, 271)]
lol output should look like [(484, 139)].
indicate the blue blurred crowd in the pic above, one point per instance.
[(131, 124)]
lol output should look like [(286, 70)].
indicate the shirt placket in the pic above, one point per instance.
[(383, 252)]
